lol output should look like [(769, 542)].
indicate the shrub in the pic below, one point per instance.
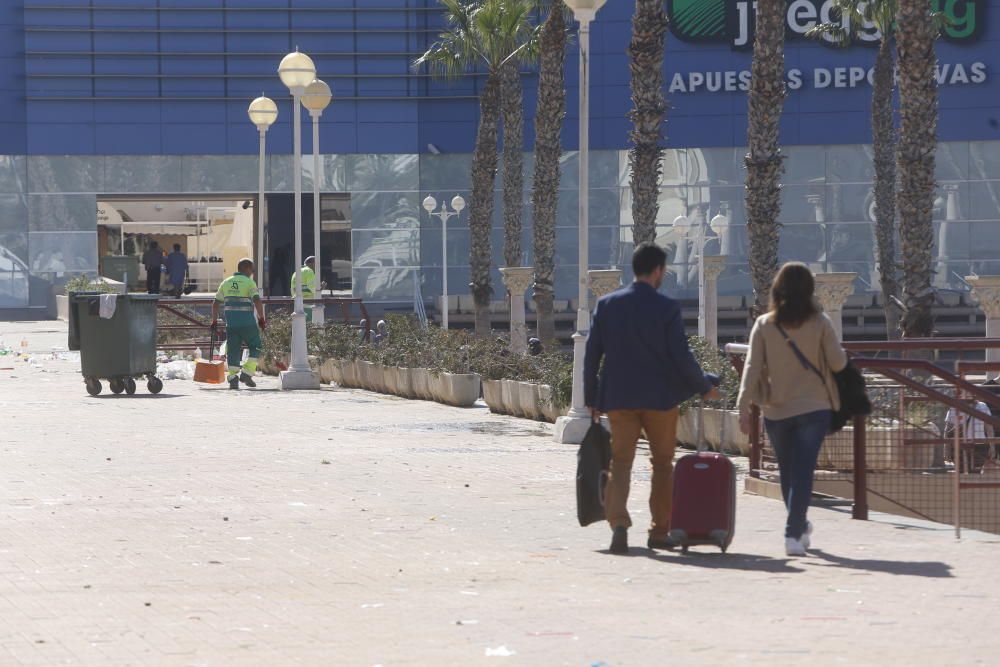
[(83, 283)]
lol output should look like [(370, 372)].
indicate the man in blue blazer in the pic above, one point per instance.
[(648, 371)]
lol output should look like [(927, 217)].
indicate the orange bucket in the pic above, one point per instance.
[(210, 372)]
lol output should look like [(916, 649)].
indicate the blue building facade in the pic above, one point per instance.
[(101, 99)]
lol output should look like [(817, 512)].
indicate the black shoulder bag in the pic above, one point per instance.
[(850, 387)]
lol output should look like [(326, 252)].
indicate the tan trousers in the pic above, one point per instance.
[(661, 430)]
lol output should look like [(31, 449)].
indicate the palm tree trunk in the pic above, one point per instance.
[(512, 109), (549, 117), (915, 35), (764, 159), (649, 30), (484, 165), (884, 146)]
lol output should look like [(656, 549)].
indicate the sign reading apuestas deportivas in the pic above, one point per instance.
[(732, 22)]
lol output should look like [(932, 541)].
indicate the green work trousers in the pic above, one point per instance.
[(236, 336)]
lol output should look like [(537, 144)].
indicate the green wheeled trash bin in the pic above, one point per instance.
[(116, 336)]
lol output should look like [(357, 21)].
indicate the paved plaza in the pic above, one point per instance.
[(341, 527)]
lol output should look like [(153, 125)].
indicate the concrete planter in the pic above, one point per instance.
[(722, 431), (348, 373), (461, 390), (527, 399), (435, 382), (492, 394), (509, 397), (62, 307), (420, 381), (548, 407), (336, 372), (390, 380), (366, 375), (404, 382), (326, 371)]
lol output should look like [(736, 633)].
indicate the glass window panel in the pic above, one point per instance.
[(604, 169), (849, 202), (383, 284), (396, 247), (142, 173), (849, 164), (803, 243), (984, 200), (62, 213), (951, 161), (716, 166), (804, 164), (219, 173), (65, 173), (13, 174), (802, 204), (385, 210), (450, 172), (850, 242), (280, 175), (987, 241), (984, 160), (13, 213), (59, 252), (14, 275), (383, 172)]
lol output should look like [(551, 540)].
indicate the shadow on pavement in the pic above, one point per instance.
[(730, 561), (126, 397), (932, 569)]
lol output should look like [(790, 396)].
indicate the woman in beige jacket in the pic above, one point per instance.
[(794, 352)]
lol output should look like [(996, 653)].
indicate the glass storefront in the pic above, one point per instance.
[(374, 225)]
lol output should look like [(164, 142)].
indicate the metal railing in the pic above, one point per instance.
[(902, 458), (196, 324)]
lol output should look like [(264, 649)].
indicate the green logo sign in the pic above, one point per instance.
[(733, 21)]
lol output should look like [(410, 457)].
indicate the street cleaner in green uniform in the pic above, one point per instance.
[(308, 283), (244, 313)]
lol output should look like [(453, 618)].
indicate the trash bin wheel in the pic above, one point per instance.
[(154, 385), (117, 386), (93, 386), (130, 386)]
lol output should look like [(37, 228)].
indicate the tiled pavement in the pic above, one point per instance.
[(208, 527)]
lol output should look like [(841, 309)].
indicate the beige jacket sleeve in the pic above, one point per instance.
[(833, 353), (754, 371)]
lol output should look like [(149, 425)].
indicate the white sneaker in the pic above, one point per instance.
[(794, 547), (806, 538)]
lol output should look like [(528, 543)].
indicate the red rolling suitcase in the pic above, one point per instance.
[(704, 501)]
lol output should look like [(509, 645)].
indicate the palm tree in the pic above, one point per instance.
[(549, 117), (649, 30), (512, 111), (916, 30), (764, 159), (486, 34), (882, 14)]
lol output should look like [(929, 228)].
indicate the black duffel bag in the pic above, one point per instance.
[(592, 462)]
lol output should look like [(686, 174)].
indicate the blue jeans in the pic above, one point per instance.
[(796, 443)]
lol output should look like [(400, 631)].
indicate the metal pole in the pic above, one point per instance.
[(444, 263), (300, 361), (259, 209), (860, 508), (318, 308), (702, 321), (583, 311)]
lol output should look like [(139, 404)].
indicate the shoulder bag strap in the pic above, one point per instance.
[(798, 353)]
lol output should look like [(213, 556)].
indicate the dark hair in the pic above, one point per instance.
[(177, 247), (647, 258), (244, 264), (792, 294), (154, 244)]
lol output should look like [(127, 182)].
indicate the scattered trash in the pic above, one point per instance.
[(470, 621), (499, 652), (325, 462), (175, 370), (225, 518)]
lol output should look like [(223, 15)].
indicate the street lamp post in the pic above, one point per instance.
[(297, 71), (316, 98), (572, 428), (457, 203), (263, 112)]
